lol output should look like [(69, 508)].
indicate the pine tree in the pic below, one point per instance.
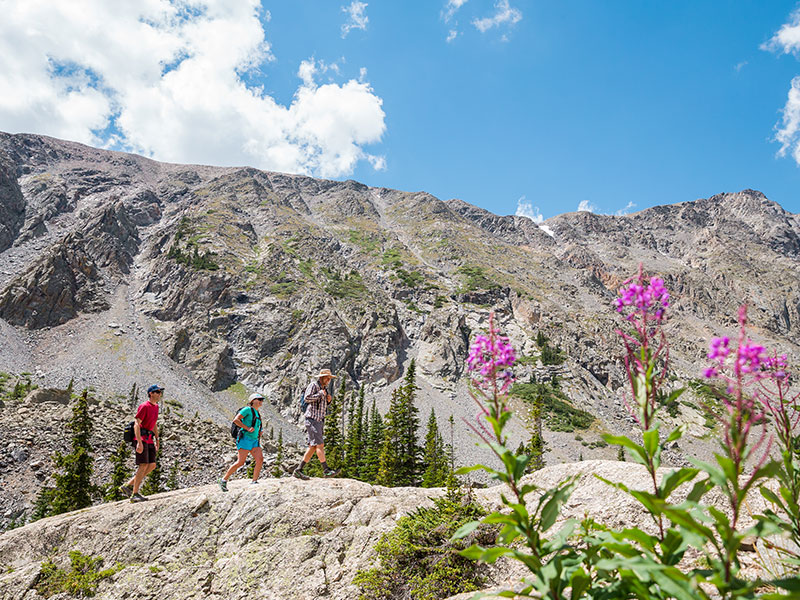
[(120, 473), (535, 447), (277, 468), (334, 443), (42, 507), (372, 451), (390, 463), (73, 489), (132, 397), (621, 454), (452, 480), (410, 451), (70, 388), (355, 437), (172, 479), (434, 459)]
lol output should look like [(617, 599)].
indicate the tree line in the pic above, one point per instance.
[(362, 443)]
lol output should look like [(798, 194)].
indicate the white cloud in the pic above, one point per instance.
[(504, 14), (788, 37), (167, 78), (624, 211), (358, 18), (452, 35), (527, 209), (788, 134), (586, 206), (740, 66), (451, 8)]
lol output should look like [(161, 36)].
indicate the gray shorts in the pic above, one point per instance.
[(314, 432)]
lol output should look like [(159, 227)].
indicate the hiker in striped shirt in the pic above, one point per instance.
[(317, 399)]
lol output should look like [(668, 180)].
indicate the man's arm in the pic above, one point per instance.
[(314, 397), (137, 435)]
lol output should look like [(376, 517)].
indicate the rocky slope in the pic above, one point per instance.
[(115, 270), (282, 539), (35, 428)]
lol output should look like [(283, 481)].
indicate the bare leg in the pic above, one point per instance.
[(309, 454), (321, 453), (258, 455), (237, 465), (139, 476)]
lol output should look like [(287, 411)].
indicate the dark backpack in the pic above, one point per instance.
[(236, 431), (303, 403), (129, 434)]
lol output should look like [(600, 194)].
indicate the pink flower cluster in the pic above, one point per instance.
[(643, 298), (492, 357), (750, 358)]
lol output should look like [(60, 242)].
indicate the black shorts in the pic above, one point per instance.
[(147, 455)]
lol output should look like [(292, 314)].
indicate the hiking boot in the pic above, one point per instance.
[(300, 475), (331, 472), (137, 497), (223, 485), (126, 490), (253, 482)]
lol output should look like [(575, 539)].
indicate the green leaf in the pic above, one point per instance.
[(465, 530), (638, 452), (675, 479), (579, 582), (492, 554), (650, 439)]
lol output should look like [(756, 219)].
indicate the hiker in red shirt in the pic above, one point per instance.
[(146, 442)]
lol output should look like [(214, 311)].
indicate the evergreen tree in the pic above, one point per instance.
[(355, 437), (172, 479), (374, 447), (434, 459), (452, 480), (120, 473), (410, 450), (390, 463), (42, 507), (74, 488), (334, 443), (621, 454), (535, 447), (70, 388), (277, 468), (132, 397)]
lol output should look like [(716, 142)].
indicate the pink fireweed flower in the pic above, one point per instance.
[(650, 298), (491, 357)]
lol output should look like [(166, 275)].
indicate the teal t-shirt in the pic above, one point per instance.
[(248, 414)]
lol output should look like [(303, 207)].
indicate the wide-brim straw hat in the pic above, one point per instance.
[(326, 373)]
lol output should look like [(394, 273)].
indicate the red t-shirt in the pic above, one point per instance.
[(148, 413)]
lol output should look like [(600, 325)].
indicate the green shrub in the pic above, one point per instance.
[(419, 560), (80, 581), (552, 355), (476, 278), (558, 413)]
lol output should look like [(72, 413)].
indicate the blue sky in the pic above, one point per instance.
[(513, 105)]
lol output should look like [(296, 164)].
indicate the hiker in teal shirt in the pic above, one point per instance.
[(249, 422)]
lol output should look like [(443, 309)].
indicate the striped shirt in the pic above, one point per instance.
[(316, 399)]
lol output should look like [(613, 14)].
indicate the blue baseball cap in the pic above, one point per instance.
[(155, 388)]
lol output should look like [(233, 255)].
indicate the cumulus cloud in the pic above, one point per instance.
[(788, 37), (586, 206), (358, 17), (788, 133), (525, 208), (168, 79), (452, 35), (451, 8), (504, 15)]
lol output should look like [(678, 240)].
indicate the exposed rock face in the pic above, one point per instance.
[(283, 539), (234, 275)]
